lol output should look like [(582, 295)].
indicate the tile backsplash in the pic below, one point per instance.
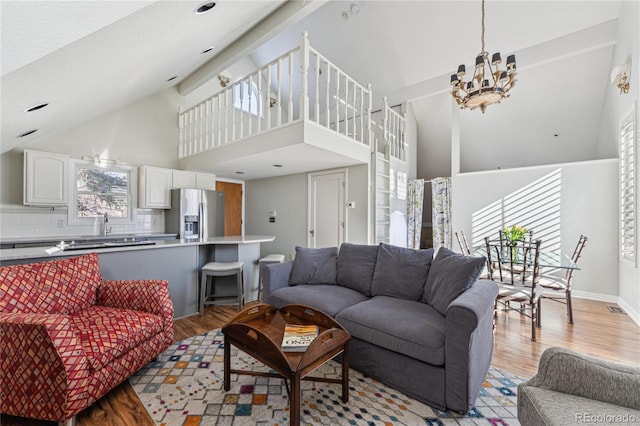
[(29, 222)]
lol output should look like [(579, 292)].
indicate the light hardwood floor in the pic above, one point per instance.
[(596, 331)]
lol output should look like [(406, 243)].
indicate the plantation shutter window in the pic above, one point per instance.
[(628, 172)]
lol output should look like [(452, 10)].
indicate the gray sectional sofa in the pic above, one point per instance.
[(420, 324)]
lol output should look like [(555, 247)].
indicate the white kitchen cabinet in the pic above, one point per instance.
[(183, 179), (46, 179), (206, 181), (154, 187)]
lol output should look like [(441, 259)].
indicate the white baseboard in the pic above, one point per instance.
[(595, 296), (635, 316)]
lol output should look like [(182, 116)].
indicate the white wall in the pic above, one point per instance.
[(287, 195), (588, 206), (616, 105)]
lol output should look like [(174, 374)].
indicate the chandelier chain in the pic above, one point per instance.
[(482, 36)]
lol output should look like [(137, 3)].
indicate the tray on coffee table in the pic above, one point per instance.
[(258, 331)]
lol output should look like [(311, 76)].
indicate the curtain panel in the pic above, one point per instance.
[(415, 201), (441, 212)]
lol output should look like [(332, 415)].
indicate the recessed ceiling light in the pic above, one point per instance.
[(205, 7), (27, 133), (239, 173), (37, 107), (277, 165), (172, 78), (207, 50)]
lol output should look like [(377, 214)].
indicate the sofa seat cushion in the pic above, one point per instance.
[(404, 326), (328, 298), (107, 333)]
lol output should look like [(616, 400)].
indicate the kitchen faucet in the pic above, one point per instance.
[(106, 228)]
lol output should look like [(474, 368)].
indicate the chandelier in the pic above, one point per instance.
[(489, 84)]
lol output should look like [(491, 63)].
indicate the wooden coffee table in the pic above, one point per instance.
[(258, 331)]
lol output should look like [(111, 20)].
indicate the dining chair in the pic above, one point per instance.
[(559, 288), (517, 276), (462, 242)]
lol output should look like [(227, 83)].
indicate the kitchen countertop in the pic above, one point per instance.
[(42, 253), (58, 238)]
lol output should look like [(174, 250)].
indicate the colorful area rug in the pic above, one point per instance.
[(185, 387)]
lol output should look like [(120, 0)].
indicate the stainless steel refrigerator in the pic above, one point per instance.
[(195, 213)]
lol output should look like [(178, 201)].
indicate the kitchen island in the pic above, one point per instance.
[(177, 261)]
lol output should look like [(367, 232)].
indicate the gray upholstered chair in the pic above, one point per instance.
[(571, 388)]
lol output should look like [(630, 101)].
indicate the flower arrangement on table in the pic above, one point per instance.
[(513, 234)]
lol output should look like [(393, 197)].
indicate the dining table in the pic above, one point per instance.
[(548, 259)]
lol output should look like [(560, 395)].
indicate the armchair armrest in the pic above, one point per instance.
[(150, 296), (48, 365), (469, 342), (567, 371), (275, 276)]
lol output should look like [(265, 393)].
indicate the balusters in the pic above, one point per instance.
[(290, 119), (279, 72), (361, 115), (317, 74), (260, 101), (328, 113), (226, 116), (268, 90), (337, 101)]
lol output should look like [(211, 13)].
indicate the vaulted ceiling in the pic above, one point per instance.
[(86, 58)]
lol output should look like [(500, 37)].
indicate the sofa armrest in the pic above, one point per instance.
[(275, 276), (150, 296), (567, 371), (469, 343), (48, 366)]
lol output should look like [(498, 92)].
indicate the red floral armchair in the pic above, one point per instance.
[(67, 337)]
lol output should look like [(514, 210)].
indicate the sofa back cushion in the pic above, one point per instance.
[(356, 263), (314, 266), (401, 272), (451, 274), (63, 286)]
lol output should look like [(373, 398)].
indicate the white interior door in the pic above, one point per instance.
[(327, 200)]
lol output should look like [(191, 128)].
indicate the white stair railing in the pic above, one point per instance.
[(299, 85)]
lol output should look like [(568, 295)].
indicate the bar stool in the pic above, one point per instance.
[(271, 258), (221, 269)]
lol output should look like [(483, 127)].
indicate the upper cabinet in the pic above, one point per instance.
[(182, 179), (206, 181), (45, 179), (154, 184), (185, 179)]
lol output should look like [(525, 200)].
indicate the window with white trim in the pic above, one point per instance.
[(628, 187), (97, 190), (247, 98)]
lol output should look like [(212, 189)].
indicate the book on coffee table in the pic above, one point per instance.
[(298, 337)]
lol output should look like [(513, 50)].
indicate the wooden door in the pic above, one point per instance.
[(232, 207)]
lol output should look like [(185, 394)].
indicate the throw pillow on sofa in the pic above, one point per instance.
[(401, 272), (356, 263), (314, 266), (450, 275)]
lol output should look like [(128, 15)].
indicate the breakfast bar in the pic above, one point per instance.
[(177, 261)]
